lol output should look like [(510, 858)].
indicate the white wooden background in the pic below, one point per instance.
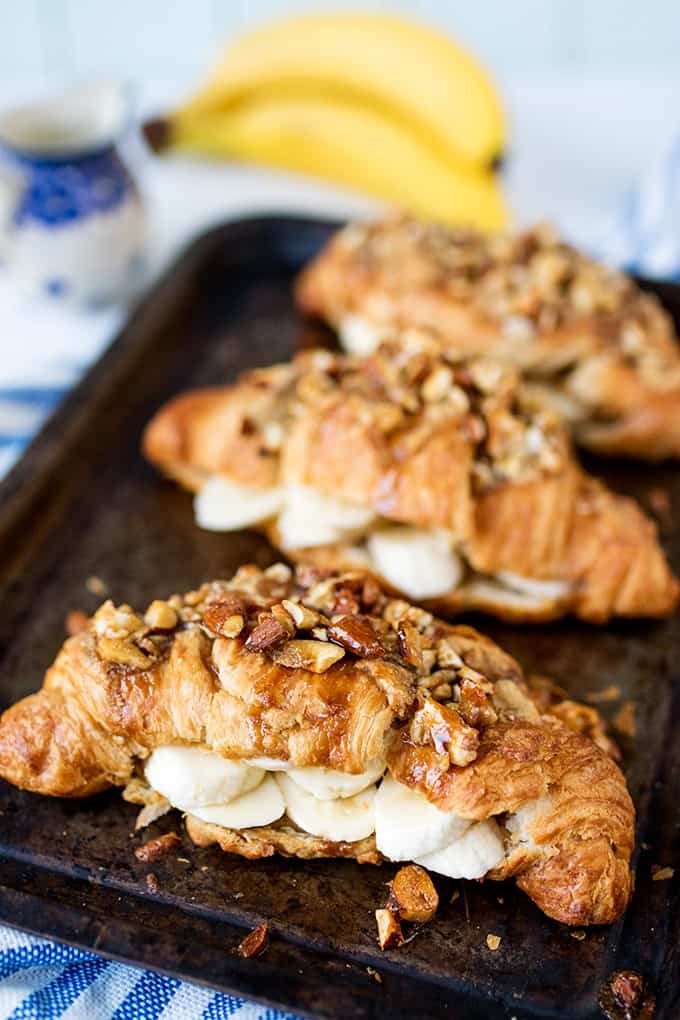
[(41, 40)]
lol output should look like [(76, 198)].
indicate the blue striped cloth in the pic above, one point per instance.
[(40, 980)]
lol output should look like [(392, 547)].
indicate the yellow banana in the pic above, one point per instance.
[(353, 145), (412, 74)]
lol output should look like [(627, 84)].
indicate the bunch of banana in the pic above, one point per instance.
[(376, 102)]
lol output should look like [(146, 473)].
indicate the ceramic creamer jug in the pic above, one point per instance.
[(71, 218)]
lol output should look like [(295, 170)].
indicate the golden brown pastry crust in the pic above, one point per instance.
[(449, 708), (587, 334), (431, 442)]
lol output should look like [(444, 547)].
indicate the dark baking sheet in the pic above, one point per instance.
[(82, 503)]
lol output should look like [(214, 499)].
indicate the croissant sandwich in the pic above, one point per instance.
[(439, 476), (313, 716), (602, 351)]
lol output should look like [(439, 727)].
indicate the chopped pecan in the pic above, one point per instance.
[(443, 728), (154, 849), (390, 935), (267, 635), (413, 895), (255, 942), (357, 634), (316, 656), (227, 616)]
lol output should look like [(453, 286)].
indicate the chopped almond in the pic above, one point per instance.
[(413, 895), (157, 848), (267, 635), (390, 934), (493, 942), (76, 621), (255, 942), (316, 656), (357, 635)]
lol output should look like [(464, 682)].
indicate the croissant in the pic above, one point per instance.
[(314, 716), (603, 352), (437, 475)]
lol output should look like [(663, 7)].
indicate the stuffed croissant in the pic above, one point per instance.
[(314, 716), (436, 475), (602, 351)]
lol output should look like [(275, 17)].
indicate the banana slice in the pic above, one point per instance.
[(309, 518), (269, 764), (474, 853), (330, 784), (260, 806), (358, 335), (408, 826), (191, 777), (223, 505), (548, 591), (343, 821), (419, 562)]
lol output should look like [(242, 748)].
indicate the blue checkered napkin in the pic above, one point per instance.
[(42, 981)]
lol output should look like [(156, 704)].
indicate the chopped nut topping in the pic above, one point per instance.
[(442, 728), (255, 942), (316, 656), (152, 883), (413, 895), (475, 704), (390, 935), (356, 634), (226, 616), (76, 621), (661, 874), (410, 643), (157, 848), (267, 635), (493, 942), (303, 618), (160, 615), (122, 652)]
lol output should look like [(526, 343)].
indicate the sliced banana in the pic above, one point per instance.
[(479, 849), (358, 335), (344, 820), (224, 505), (330, 784), (420, 563), (269, 764), (190, 777), (548, 591), (260, 806), (407, 825), (309, 518)]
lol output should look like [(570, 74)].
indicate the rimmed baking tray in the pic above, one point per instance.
[(82, 504)]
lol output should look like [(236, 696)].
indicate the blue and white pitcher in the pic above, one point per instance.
[(71, 218)]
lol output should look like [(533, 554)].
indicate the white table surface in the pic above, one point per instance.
[(576, 145)]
